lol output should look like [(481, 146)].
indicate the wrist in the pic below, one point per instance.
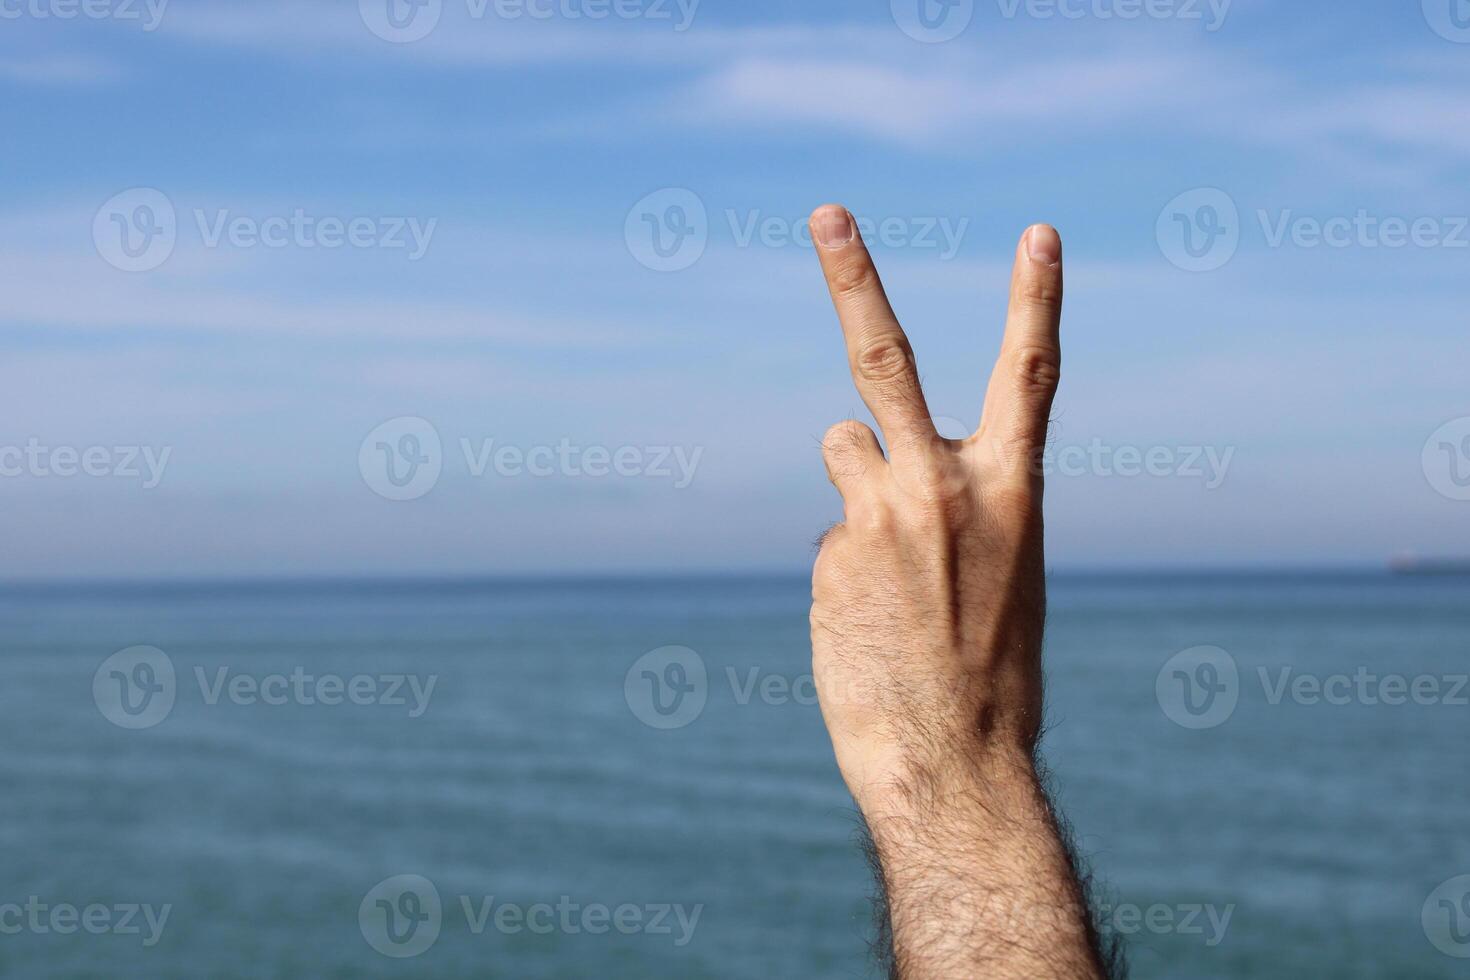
[(997, 776)]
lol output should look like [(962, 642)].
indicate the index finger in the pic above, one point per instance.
[(878, 352)]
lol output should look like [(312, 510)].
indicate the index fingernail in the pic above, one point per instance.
[(832, 226)]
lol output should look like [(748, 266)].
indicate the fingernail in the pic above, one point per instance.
[(832, 226), (1043, 244)]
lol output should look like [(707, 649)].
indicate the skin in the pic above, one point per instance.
[(928, 604)]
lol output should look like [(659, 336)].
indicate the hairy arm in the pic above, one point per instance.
[(979, 879), (927, 615)]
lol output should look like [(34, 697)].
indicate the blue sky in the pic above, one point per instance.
[(527, 152)]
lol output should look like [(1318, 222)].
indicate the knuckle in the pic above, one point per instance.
[(1037, 369), (884, 359), (1041, 292), (845, 451), (854, 277), (844, 436), (878, 520)]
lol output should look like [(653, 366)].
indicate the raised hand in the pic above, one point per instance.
[(927, 616)]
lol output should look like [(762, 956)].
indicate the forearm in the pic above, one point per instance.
[(977, 877)]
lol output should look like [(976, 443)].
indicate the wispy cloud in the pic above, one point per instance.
[(952, 103), (53, 69)]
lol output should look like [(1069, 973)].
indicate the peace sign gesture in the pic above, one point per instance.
[(927, 614)]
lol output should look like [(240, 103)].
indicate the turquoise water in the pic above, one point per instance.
[(1323, 828)]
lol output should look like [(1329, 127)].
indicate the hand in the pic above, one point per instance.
[(928, 603)]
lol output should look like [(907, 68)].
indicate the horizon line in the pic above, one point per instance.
[(462, 579)]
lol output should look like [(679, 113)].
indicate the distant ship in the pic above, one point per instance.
[(1414, 565)]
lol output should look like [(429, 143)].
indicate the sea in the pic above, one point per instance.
[(1267, 774)]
